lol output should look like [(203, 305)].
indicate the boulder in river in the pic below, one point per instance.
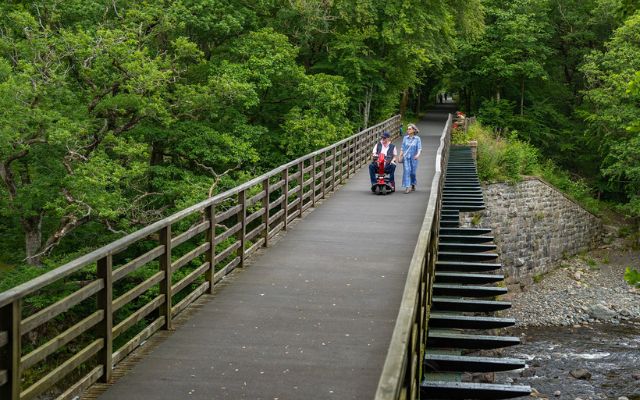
[(601, 312), (580, 373)]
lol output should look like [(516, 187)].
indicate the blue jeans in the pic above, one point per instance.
[(409, 171)]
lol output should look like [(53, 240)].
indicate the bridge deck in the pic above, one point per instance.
[(312, 317)]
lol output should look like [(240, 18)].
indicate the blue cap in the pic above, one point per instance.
[(386, 134)]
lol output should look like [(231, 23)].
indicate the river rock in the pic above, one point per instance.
[(601, 312), (636, 376), (557, 393), (623, 398), (625, 312), (580, 373), (528, 373), (577, 275)]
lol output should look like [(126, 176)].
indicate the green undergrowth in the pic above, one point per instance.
[(508, 159)]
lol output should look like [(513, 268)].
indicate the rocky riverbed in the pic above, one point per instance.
[(585, 289), (580, 329)]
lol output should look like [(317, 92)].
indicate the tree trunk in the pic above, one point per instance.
[(465, 94), (498, 94), (32, 227), (157, 154), (367, 107), (418, 102), (403, 102), (522, 97)]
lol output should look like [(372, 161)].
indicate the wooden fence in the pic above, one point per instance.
[(402, 371), (119, 295)]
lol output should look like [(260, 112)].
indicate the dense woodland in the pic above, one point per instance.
[(114, 113)]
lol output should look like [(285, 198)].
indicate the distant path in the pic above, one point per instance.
[(312, 317)]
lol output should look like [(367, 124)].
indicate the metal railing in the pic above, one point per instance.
[(402, 371), (135, 286)]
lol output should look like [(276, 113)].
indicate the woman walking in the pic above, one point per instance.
[(409, 153)]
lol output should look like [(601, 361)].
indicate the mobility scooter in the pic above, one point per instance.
[(383, 183)]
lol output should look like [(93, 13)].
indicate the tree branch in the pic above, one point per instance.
[(67, 224), (216, 176)]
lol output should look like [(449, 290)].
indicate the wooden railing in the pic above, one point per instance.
[(402, 371), (119, 295)]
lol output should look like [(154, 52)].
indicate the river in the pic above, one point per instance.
[(610, 353)]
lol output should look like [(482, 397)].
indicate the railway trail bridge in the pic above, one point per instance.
[(336, 293)]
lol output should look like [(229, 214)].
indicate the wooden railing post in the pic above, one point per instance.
[(209, 276), (301, 186), (265, 203), (10, 349), (339, 165), (342, 151), (313, 181), (165, 283), (104, 327), (242, 218), (285, 192), (349, 154), (333, 169), (324, 174), (354, 156)]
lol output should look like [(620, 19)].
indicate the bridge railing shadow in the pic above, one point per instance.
[(110, 301), (402, 371)]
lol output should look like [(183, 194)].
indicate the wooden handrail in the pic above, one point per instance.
[(229, 227), (401, 374)]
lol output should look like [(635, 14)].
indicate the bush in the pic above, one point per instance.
[(500, 159), (507, 159), (632, 277)]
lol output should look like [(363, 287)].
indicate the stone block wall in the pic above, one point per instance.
[(534, 226)]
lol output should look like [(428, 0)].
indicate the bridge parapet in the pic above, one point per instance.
[(131, 288)]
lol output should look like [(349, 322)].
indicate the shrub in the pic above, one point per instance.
[(508, 158)]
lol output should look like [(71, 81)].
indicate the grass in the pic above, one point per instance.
[(591, 262), (538, 278), (476, 219)]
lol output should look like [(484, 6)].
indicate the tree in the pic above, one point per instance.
[(612, 106), (69, 98)]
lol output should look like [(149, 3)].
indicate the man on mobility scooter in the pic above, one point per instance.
[(383, 166)]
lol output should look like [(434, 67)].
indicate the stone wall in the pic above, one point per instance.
[(534, 226)]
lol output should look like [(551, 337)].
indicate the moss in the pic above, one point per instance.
[(476, 219)]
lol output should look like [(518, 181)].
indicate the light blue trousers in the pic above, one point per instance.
[(409, 171)]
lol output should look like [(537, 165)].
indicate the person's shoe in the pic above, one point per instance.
[(407, 191), (413, 188)]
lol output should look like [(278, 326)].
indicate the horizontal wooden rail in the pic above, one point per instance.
[(402, 371), (137, 284)]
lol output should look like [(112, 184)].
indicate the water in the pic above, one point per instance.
[(611, 353)]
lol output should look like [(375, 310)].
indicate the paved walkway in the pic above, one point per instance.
[(312, 317)]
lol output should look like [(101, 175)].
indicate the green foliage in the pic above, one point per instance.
[(508, 159), (561, 75), (574, 186), (632, 276), (113, 114), (502, 159), (591, 263), (612, 106), (496, 113)]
